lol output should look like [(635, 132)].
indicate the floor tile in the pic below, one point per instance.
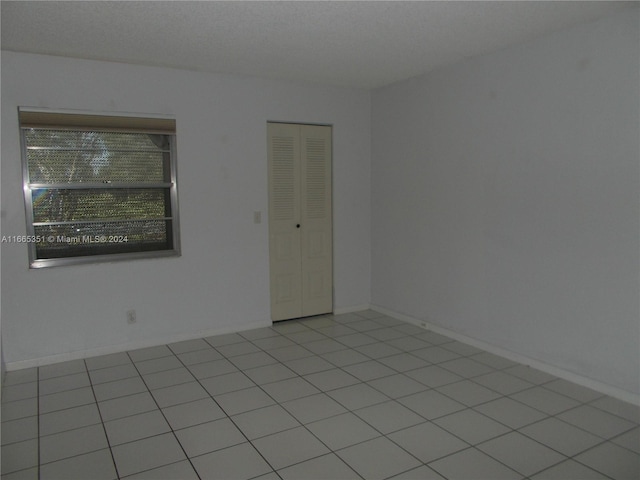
[(68, 419), (158, 365), (27, 474), (63, 400), (136, 427), (473, 464), (468, 393), (105, 361), (20, 409), (20, 391), (61, 384), (520, 453), (179, 470), (356, 340), (16, 377), (293, 352), (368, 370), (264, 421), (19, 456), (269, 373), (258, 333), (422, 473), (72, 443), (243, 400), (328, 466), (252, 360), (545, 400), (434, 376), (378, 350), (120, 388), (431, 404), (126, 406), (561, 436), (511, 413), (326, 345), (407, 344), (239, 462), (95, 465), (569, 470), (212, 369), (199, 356), (269, 343), (471, 426), (111, 374), (187, 392), (440, 409), (629, 440), (596, 421), (466, 368), (342, 431), (192, 413), (19, 430), (147, 454), (427, 442), (612, 460), (403, 362), (503, 383), (289, 389), (357, 396), (150, 353), (289, 447), (168, 378), (226, 339), (241, 348), (397, 385), (61, 369), (342, 358), (377, 459), (434, 354), (189, 346), (618, 407), (389, 417), (313, 407), (307, 365), (575, 391), (209, 437), (331, 379), (226, 383)]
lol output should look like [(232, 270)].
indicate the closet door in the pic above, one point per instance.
[(300, 238)]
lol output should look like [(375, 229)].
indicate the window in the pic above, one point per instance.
[(98, 188)]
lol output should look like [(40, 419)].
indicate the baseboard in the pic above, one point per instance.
[(604, 388), (355, 308), (125, 347)]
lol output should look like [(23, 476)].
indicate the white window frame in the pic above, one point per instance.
[(81, 121)]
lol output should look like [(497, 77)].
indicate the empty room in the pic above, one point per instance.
[(320, 240)]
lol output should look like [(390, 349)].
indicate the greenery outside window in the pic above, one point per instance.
[(98, 188)]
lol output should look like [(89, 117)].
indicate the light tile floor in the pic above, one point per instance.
[(354, 396)]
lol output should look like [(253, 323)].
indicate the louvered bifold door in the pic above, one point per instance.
[(300, 238), (316, 241), (284, 218)]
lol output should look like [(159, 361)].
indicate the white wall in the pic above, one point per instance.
[(221, 281), (505, 196)]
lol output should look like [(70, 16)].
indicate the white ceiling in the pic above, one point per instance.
[(348, 43)]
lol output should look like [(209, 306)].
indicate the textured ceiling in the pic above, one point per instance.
[(358, 44)]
